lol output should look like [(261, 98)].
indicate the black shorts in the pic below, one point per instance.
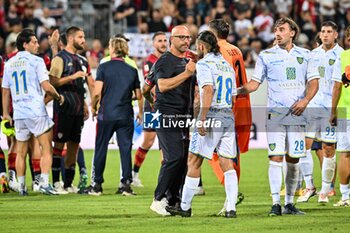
[(67, 128), (316, 145), (147, 108)]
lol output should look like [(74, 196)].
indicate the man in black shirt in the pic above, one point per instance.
[(173, 74)]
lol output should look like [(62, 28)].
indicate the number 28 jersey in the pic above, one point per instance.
[(23, 74), (216, 71)]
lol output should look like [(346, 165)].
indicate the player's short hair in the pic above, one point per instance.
[(209, 41), (120, 47), (220, 27), (347, 33), (72, 30), (24, 36), (292, 25), (330, 24), (63, 38), (157, 34)]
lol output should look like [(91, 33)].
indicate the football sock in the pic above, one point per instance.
[(56, 164), (300, 180), (12, 174), (140, 156), (12, 161), (44, 179), (2, 161), (189, 189), (306, 167), (21, 181), (284, 170), (275, 180), (291, 182), (328, 169), (70, 172), (344, 190), (81, 161), (231, 189)]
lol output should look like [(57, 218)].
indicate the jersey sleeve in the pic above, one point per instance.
[(43, 74), (336, 75), (312, 68), (260, 70), (56, 67), (147, 65), (150, 79), (204, 74), (234, 83), (5, 78), (136, 80), (99, 74)]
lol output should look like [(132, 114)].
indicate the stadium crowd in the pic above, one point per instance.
[(228, 37)]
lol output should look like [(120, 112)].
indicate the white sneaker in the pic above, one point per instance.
[(323, 198), (72, 189), (200, 191), (136, 182), (223, 210), (36, 187), (13, 184), (58, 186), (307, 194), (159, 207)]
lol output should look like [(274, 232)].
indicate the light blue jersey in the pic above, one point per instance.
[(214, 70), (326, 62), (22, 75), (287, 74)]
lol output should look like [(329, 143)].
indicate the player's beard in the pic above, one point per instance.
[(77, 46), (162, 49)]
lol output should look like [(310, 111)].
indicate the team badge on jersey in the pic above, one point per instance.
[(291, 73), (321, 70), (331, 62), (300, 60), (272, 146)]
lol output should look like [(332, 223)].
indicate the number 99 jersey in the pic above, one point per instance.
[(214, 70), (23, 74)]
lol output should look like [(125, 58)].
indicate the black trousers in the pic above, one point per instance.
[(105, 130), (174, 143)]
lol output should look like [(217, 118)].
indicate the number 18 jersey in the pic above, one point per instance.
[(22, 75), (214, 70)]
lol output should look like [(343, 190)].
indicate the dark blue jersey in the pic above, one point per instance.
[(119, 81)]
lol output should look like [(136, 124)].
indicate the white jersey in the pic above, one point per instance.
[(214, 70), (287, 74), (326, 63), (22, 75)]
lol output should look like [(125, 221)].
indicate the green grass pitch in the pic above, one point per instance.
[(115, 213)]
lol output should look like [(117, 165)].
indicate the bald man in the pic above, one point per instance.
[(173, 75)]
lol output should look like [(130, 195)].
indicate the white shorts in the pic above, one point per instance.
[(321, 130), (343, 135), (223, 139), (286, 139), (37, 126)]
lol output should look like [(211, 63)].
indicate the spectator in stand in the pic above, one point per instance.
[(95, 54), (308, 28), (283, 8), (46, 19), (263, 24), (190, 24), (156, 23), (29, 21), (243, 26), (327, 10), (219, 11), (127, 10), (189, 10), (16, 28), (256, 46), (11, 17)]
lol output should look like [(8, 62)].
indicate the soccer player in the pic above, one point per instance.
[(160, 47), (318, 113), (242, 110), (115, 84), (340, 117), (217, 87), (292, 83), (24, 76), (67, 74), (174, 83)]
